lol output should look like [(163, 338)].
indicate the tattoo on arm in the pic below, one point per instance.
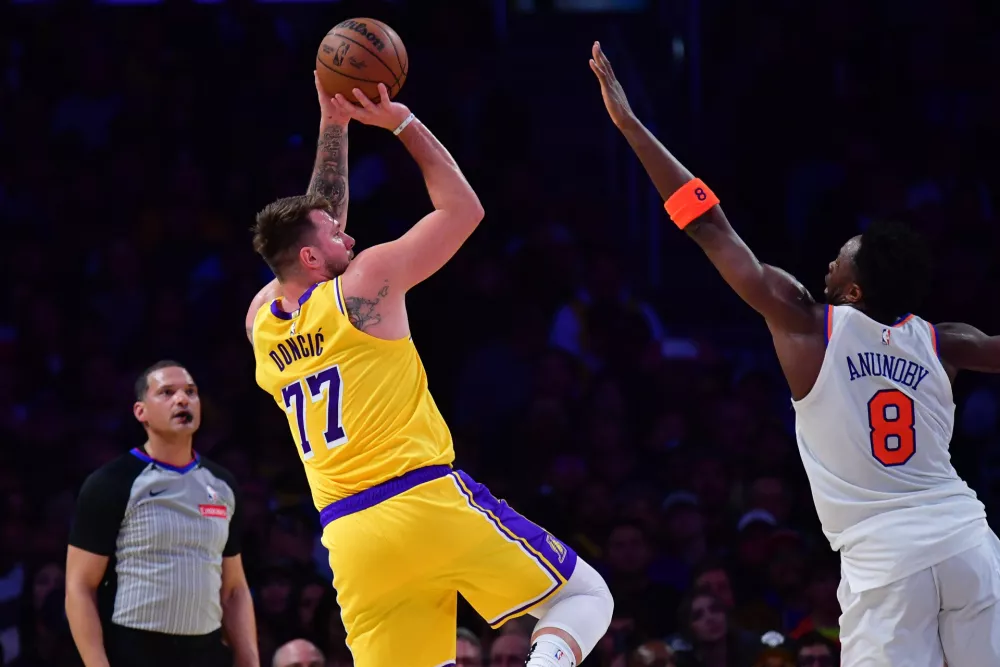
[(329, 178), (363, 313)]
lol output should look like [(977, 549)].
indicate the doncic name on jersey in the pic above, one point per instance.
[(297, 346), (898, 369)]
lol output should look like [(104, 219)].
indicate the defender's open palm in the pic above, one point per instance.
[(385, 113), (611, 90)]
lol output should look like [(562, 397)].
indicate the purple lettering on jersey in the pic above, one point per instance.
[(294, 401), (921, 374), (897, 369), (865, 359), (330, 381), (324, 385), (296, 347), (852, 370), (277, 360)]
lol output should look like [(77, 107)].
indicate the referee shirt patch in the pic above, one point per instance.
[(217, 511)]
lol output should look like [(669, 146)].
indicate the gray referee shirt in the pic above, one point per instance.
[(166, 530)]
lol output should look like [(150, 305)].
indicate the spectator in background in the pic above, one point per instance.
[(711, 577), (12, 581), (823, 615), (653, 654), (815, 650), (509, 650), (469, 650), (298, 653), (685, 542), (628, 556), (40, 629), (706, 637)]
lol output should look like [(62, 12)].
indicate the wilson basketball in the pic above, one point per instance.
[(361, 53)]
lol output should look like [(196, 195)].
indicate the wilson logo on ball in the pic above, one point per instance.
[(362, 29)]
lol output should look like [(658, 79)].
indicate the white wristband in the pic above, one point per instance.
[(402, 126)]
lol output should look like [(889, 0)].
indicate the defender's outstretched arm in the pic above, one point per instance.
[(773, 293), (964, 347)]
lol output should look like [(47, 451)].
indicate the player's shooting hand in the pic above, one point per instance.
[(611, 90), (329, 110), (386, 113)]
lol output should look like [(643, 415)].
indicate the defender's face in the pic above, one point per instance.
[(171, 403), (333, 249), (841, 279)]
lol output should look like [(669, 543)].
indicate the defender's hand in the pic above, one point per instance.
[(611, 90), (386, 114), (330, 112)]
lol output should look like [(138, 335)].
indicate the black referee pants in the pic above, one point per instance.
[(141, 648)]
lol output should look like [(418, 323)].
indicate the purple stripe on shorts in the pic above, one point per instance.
[(380, 492), (555, 554)]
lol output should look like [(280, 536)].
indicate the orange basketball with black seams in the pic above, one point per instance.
[(361, 53)]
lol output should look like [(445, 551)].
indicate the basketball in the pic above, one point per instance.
[(361, 53)]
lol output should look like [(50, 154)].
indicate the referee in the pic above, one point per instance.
[(153, 570)]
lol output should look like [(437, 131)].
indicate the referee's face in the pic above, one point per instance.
[(171, 404)]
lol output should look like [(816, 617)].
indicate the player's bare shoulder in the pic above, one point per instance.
[(374, 304)]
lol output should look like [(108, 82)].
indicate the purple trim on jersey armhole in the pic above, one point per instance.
[(337, 295), (143, 456)]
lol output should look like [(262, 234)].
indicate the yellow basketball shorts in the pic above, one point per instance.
[(400, 552)]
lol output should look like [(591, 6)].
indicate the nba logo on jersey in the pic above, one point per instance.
[(213, 495), (885, 336)]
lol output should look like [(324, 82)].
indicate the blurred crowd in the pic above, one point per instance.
[(632, 407)]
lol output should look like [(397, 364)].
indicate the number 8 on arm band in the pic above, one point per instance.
[(691, 201)]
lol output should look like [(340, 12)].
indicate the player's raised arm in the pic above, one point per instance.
[(773, 293), (964, 347), (329, 177), (430, 243)]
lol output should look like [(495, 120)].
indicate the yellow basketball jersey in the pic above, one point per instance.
[(358, 406)]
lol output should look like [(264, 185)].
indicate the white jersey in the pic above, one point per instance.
[(873, 434)]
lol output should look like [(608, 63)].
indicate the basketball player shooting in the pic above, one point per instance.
[(405, 531), (871, 388)]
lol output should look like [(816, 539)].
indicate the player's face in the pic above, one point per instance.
[(333, 249), (171, 404), (841, 281)]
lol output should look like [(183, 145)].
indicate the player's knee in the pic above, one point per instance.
[(607, 602), (594, 586)]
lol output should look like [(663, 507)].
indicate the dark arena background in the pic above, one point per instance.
[(596, 371)]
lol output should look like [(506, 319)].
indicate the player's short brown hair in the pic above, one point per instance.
[(282, 228)]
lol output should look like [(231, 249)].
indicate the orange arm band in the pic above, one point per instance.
[(692, 200)]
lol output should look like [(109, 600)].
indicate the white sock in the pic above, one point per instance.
[(550, 651)]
